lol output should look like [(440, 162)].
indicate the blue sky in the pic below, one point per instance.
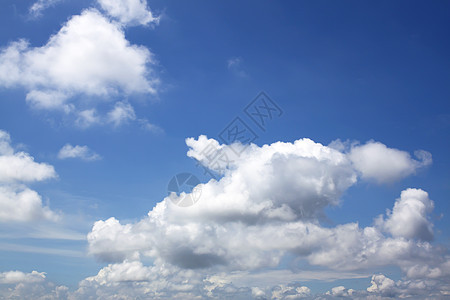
[(123, 83)]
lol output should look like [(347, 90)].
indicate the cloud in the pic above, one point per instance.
[(13, 277), (409, 216), (20, 166), (234, 64), (87, 62), (131, 280), (22, 205), (265, 207), (290, 292), (376, 161), (18, 203), (147, 126), (20, 285), (82, 152), (130, 12), (340, 291), (40, 5), (121, 113)]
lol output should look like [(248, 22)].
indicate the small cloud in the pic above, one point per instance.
[(121, 113), (82, 152), (129, 12), (235, 66), (87, 118), (146, 125), (40, 5)]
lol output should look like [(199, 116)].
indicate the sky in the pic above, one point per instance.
[(312, 139)]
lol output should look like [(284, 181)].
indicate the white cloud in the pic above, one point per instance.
[(409, 216), (376, 161), (340, 291), (382, 284), (40, 5), (82, 152), (121, 113), (146, 125), (22, 204), (290, 292), (133, 280), (130, 12), (266, 207), (87, 118), (88, 61), (29, 286), (13, 277), (17, 202), (21, 167)]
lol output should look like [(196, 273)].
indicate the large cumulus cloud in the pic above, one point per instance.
[(267, 206)]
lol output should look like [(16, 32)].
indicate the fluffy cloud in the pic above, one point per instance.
[(82, 152), (14, 277), (18, 202), (290, 292), (376, 161), (409, 217), (19, 285), (340, 291), (131, 12), (22, 204), (132, 280), (87, 60), (266, 206)]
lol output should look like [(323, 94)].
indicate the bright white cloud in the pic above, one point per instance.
[(22, 204), (87, 60), (21, 167), (130, 12), (376, 161), (18, 202), (82, 152), (409, 217), (266, 206)]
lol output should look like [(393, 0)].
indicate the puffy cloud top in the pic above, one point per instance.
[(131, 12), (376, 161), (17, 202)]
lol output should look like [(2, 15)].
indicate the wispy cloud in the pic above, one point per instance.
[(234, 64), (81, 152), (40, 5)]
